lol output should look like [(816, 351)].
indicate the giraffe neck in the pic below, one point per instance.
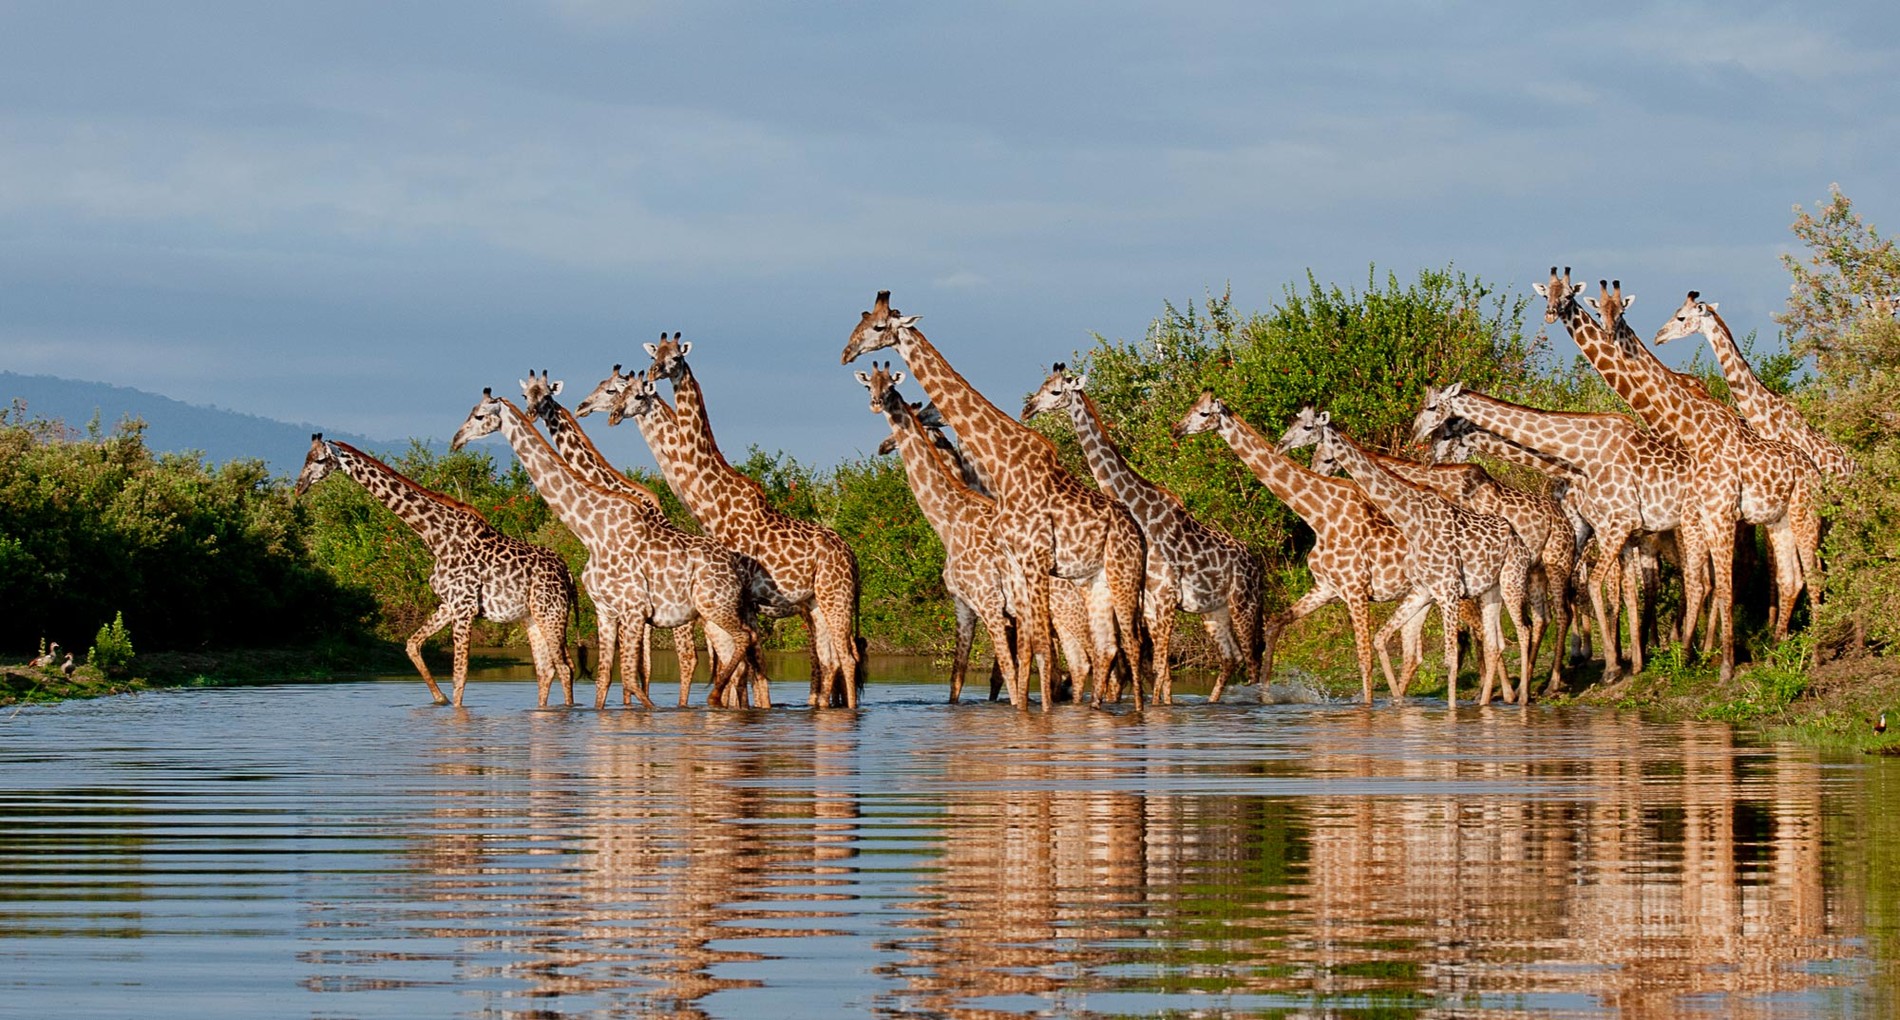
[(1401, 502), (584, 508), (1310, 495), (1148, 502), (432, 515), (713, 489), (1574, 438), (933, 482), (1000, 445), (1490, 444), (1753, 398), (1451, 481), (1656, 397), (587, 460)]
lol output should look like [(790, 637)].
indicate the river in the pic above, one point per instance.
[(348, 850)]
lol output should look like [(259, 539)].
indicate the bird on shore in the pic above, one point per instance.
[(1880, 724), (51, 657), (68, 666)]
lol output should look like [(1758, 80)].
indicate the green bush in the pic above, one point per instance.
[(111, 652)]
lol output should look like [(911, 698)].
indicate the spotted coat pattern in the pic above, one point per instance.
[(478, 570)]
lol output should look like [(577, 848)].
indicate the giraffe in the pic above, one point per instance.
[(540, 398), (1453, 554), (1739, 476), (1068, 611), (1053, 525), (1191, 566), (808, 562), (478, 570), (1358, 554), (1539, 521), (635, 570), (1627, 481), (1768, 412), (975, 571), (1459, 440)]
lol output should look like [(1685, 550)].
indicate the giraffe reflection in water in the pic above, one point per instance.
[(1330, 858)]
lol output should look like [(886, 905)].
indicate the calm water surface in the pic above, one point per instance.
[(347, 850)]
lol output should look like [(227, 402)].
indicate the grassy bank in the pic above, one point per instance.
[(20, 683)]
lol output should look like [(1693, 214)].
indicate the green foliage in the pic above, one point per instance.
[(366, 547), (195, 555), (900, 560), (1857, 386), (1365, 356), (111, 651)]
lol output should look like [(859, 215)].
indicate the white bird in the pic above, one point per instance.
[(51, 657)]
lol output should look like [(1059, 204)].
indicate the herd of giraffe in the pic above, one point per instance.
[(1046, 562)]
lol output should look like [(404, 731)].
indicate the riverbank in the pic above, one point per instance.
[(1835, 704), (20, 683)]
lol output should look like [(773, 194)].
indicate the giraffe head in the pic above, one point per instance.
[(1559, 293), (605, 395), (1691, 318), (538, 394), (317, 464), (1451, 442), (483, 418), (640, 399), (1437, 410), (881, 327), (1204, 416), (669, 357), (1305, 429), (883, 386), (1610, 302), (1059, 392)]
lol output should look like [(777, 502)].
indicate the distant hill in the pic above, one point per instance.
[(173, 426)]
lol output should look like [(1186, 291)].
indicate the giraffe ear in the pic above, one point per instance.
[(556, 388), (1081, 382), (523, 383), (898, 378), (906, 321), (1454, 389), (1540, 290), (863, 377), (1592, 302), (686, 347), (1628, 300), (1323, 419), (1712, 306), (653, 350)]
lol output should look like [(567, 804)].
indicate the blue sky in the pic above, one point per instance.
[(359, 214)]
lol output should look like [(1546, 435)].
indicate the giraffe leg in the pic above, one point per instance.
[(1722, 562), (1069, 613), (1787, 570), (539, 651), (1557, 588), (1414, 606), (966, 636), (1448, 616), (1219, 625), (437, 620), (996, 622), (462, 626), (605, 637), (1512, 597), (805, 613), (1412, 643), (1158, 602), (1610, 544), (1319, 595), (686, 653), (1125, 568), (1538, 606)]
